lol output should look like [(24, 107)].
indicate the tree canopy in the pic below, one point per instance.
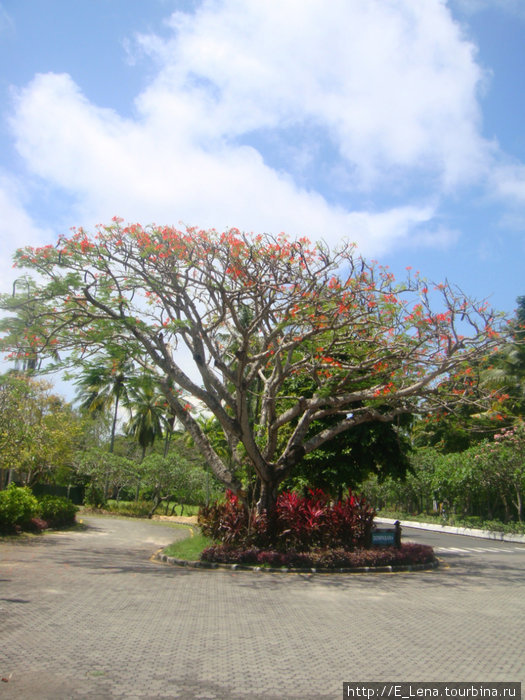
[(38, 430), (270, 335)]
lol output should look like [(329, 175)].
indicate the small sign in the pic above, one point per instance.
[(384, 537)]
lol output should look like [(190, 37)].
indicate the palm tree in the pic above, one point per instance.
[(148, 414), (102, 386), (147, 407)]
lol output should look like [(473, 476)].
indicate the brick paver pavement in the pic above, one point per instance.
[(88, 615)]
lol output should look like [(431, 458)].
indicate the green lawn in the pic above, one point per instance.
[(142, 508), (189, 548), (456, 521), (186, 510)]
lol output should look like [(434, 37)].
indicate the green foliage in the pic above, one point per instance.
[(133, 509), (504, 461), (448, 433), (57, 511), (102, 384), (506, 370), (344, 461), (94, 496), (147, 406), (176, 478), (102, 470), (456, 520), (38, 430), (182, 509), (486, 481), (189, 549), (17, 507), (294, 343)]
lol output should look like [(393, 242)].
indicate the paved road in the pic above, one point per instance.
[(446, 545), (88, 615)]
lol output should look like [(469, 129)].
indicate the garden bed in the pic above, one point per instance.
[(307, 533), (410, 557)]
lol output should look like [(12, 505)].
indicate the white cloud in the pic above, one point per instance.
[(509, 182), (377, 232), (391, 86), (16, 230), (115, 166)]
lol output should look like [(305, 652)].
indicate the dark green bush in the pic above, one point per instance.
[(57, 511), (17, 507), (94, 496)]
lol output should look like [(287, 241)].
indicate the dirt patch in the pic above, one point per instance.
[(184, 519)]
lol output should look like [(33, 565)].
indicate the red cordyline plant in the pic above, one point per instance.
[(257, 316), (231, 522), (299, 523), (313, 520)]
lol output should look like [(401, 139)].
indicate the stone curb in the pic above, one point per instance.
[(469, 532), (292, 570)]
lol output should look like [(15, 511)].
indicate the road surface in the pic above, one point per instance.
[(89, 615)]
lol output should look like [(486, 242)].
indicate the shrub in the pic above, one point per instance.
[(322, 558), (17, 507), (57, 511), (37, 525), (312, 521), (299, 523), (228, 522), (138, 509), (94, 496)]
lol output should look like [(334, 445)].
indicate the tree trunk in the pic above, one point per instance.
[(169, 433), (114, 424), (519, 503), (506, 506), (267, 497), (156, 503), (112, 443)]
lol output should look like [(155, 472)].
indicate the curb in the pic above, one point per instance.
[(469, 532), (291, 570)]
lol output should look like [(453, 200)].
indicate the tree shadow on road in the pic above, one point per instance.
[(108, 551), (452, 573)]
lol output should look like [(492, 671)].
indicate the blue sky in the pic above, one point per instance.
[(398, 124)]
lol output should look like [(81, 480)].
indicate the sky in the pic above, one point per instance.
[(397, 124)]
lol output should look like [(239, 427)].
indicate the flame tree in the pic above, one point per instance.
[(288, 344)]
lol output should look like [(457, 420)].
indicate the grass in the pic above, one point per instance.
[(6, 536), (141, 509), (188, 510), (87, 512), (456, 521), (189, 549)]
